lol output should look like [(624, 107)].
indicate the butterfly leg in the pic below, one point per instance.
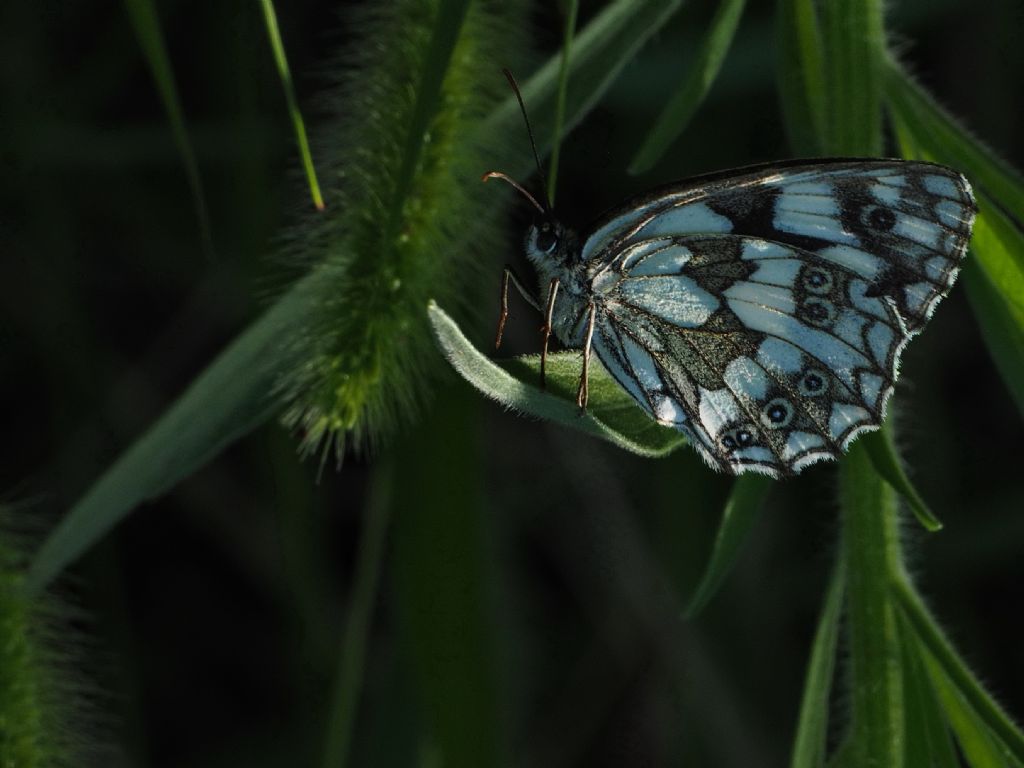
[(510, 275), (546, 328), (583, 393)]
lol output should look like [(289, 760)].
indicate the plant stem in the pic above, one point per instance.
[(352, 660), (931, 636), (871, 547)]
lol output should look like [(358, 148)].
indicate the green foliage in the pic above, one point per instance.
[(287, 353), (150, 36), (701, 74), (229, 399), (434, 644), (298, 124), (614, 416), (995, 277), (742, 510), (871, 549), (563, 89), (836, 77), (810, 741), (886, 462), (46, 720), (895, 688), (406, 219)]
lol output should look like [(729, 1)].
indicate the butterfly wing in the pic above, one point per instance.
[(903, 226), (773, 350)]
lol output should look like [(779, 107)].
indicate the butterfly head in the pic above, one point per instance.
[(548, 241)]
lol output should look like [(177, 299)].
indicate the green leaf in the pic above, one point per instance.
[(352, 658), (887, 463), (446, 585), (742, 510), (871, 550), (696, 83), (809, 743), (928, 743), (854, 36), (600, 51), (943, 138), (236, 392), (926, 131), (801, 74), (147, 29), (563, 90), (230, 398), (274, 33), (1003, 335), (998, 246), (980, 748), (994, 274), (612, 414), (954, 670), (997, 242)]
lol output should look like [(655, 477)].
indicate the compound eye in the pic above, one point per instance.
[(546, 238)]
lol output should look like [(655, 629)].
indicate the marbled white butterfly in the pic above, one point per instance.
[(761, 311)]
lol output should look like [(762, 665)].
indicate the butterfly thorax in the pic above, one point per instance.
[(554, 252)]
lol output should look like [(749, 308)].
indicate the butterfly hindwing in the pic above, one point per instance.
[(769, 357)]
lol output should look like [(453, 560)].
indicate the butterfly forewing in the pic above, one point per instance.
[(764, 314), (902, 225)]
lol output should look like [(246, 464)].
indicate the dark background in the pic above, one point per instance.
[(218, 609)]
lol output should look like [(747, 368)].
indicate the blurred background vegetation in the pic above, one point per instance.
[(532, 578)]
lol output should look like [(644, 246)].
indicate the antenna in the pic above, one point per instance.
[(533, 144), (499, 175)]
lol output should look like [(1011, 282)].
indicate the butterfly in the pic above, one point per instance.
[(760, 311)]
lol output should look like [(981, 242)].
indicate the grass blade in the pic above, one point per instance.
[(703, 70), (236, 392), (612, 414), (997, 242), (944, 138), (600, 51), (742, 510), (231, 397), (998, 246), (809, 744), (994, 277), (855, 40), (274, 33), (801, 74), (887, 463), (953, 668), (447, 587), (1003, 335), (929, 743), (926, 131), (352, 659), (147, 29), (979, 746), (563, 86)]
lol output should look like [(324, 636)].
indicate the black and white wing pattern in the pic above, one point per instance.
[(764, 313)]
